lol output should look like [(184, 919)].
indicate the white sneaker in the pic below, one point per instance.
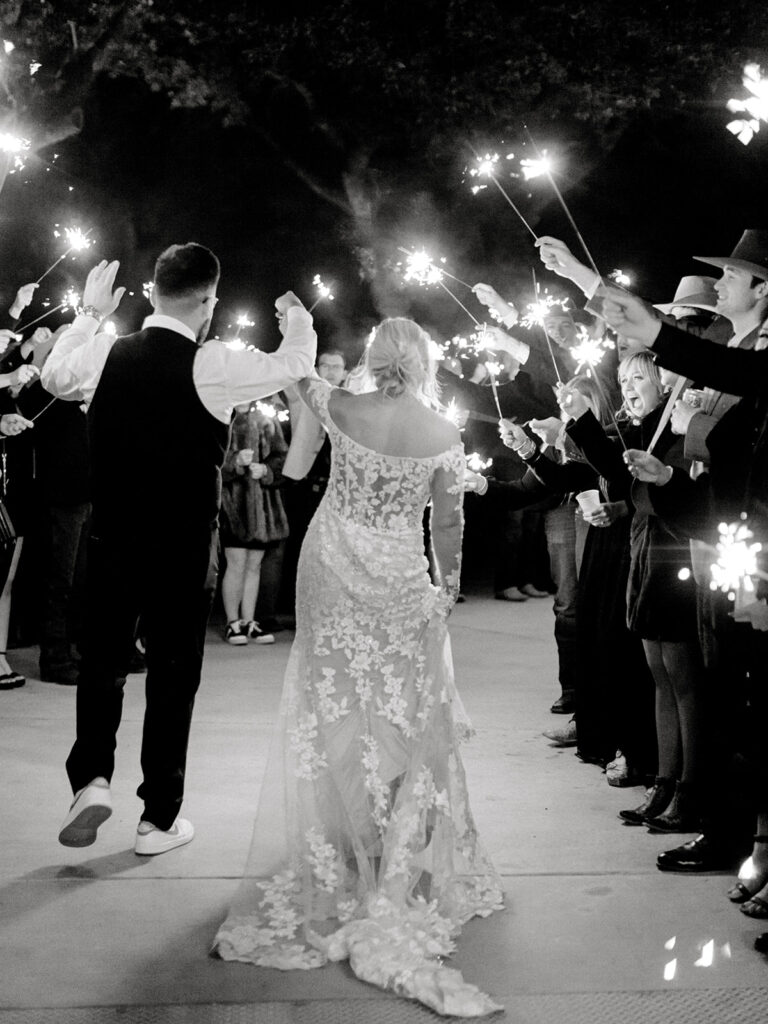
[(151, 841), (90, 808)]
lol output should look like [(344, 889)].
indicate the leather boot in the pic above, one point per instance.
[(682, 814), (656, 800)]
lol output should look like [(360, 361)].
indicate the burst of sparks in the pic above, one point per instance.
[(419, 267), (453, 413), (755, 106), (495, 369), (736, 558), (620, 278), (236, 344), (323, 291), (485, 167), (244, 320), (477, 463), (71, 298), (271, 412), (8, 46), (15, 147), (109, 327), (77, 239), (436, 350), (588, 353), (536, 168), (34, 67), (537, 311), (147, 288)]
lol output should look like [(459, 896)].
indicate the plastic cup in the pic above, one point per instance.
[(589, 501)]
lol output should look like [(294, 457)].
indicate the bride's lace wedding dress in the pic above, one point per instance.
[(364, 846)]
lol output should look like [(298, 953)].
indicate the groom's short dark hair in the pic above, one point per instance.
[(182, 269)]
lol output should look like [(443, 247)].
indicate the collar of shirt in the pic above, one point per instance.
[(737, 339), (169, 323)]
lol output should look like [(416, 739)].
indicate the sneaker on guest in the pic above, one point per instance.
[(510, 594), (236, 633), (89, 810), (618, 772), (254, 632)]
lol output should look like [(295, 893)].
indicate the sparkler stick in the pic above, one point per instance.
[(78, 240), (45, 407), (460, 303), (484, 168), (416, 256), (674, 394), (55, 309), (545, 168)]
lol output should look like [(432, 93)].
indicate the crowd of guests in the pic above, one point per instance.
[(606, 489), (668, 671)]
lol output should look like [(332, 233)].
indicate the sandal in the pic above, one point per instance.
[(755, 906), (739, 893)]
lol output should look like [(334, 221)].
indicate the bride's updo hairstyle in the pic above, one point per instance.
[(398, 359)]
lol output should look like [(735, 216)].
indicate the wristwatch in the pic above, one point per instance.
[(91, 311)]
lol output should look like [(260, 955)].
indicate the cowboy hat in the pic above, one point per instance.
[(751, 254), (698, 292)]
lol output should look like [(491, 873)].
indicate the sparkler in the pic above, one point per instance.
[(680, 384), (14, 147), (420, 267), (588, 353), (535, 168), (486, 168), (271, 412), (69, 300), (540, 308), (737, 559), (243, 321), (494, 370), (620, 278), (544, 167), (477, 463), (147, 288), (453, 413), (323, 292), (756, 105), (77, 241)]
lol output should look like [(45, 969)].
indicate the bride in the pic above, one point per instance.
[(364, 845)]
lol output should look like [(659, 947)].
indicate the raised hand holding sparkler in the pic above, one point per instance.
[(24, 296), (557, 257), (504, 312)]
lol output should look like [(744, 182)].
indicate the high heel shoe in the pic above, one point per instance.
[(741, 893), (657, 799), (682, 813)]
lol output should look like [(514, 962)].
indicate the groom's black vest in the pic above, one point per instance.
[(156, 451)]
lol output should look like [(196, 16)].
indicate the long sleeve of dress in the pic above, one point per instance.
[(602, 453), (734, 371)]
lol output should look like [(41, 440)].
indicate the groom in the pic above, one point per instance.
[(160, 404)]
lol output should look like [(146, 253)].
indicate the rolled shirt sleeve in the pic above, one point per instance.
[(73, 368), (225, 377)]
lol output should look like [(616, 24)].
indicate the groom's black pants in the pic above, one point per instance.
[(169, 586)]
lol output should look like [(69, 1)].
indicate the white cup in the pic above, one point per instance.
[(589, 501)]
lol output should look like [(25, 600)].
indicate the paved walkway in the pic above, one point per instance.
[(592, 930)]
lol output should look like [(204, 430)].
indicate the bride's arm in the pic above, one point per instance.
[(447, 520)]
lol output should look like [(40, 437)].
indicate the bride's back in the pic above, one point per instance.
[(396, 426)]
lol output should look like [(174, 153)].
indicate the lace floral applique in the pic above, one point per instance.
[(309, 759)]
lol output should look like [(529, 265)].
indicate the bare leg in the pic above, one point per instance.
[(683, 665), (253, 559), (667, 727), (233, 582)]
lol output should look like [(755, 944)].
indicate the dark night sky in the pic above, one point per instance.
[(144, 176)]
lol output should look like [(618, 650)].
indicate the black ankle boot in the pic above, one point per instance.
[(682, 815), (656, 800)]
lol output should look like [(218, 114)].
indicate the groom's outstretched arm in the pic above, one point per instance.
[(226, 378)]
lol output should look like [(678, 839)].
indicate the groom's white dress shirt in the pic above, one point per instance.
[(223, 377)]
